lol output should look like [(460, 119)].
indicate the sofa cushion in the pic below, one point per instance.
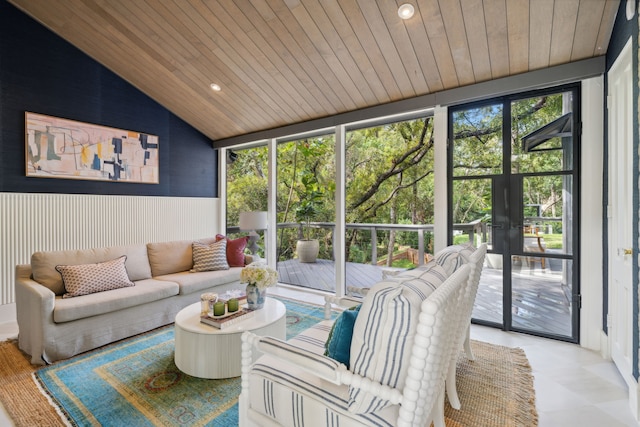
[(172, 257), (235, 250), (43, 264), (384, 331), (338, 345), (209, 257), (86, 279), (195, 282), (144, 291)]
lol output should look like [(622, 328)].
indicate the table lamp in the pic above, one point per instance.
[(252, 221)]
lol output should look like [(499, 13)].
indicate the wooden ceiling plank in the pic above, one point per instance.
[(189, 69), (590, 16), (399, 34), (299, 21), (247, 38), (606, 27), (518, 35), (540, 27), (301, 66), (281, 86), (451, 11), (264, 97), (434, 26), (344, 30), (138, 69), (563, 33), (377, 26), (306, 33), (298, 54), (295, 52), (476, 29), (495, 13), (424, 51), (204, 66), (257, 92), (325, 29), (369, 45)]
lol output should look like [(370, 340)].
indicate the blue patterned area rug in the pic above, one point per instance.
[(136, 383)]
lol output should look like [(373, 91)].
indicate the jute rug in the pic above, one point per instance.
[(496, 389)]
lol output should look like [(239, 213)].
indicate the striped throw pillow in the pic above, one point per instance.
[(384, 331), (210, 257)]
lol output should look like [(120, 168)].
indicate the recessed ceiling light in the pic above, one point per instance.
[(405, 11), (216, 87)]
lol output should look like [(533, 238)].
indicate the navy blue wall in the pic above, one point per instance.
[(42, 73)]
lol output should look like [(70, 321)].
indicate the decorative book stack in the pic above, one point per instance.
[(227, 319)]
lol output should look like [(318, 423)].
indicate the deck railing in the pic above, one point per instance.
[(473, 228)]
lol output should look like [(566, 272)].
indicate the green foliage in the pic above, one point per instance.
[(247, 183), (389, 177), (306, 191), (310, 201), (403, 263)]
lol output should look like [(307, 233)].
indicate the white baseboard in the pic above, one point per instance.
[(605, 350), (8, 313)]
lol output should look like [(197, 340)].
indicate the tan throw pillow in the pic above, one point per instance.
[(210, 257), (87, 279)]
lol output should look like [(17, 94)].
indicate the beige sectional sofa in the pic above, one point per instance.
[(52, 328)]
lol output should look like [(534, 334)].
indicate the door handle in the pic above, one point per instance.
[(625, 251)]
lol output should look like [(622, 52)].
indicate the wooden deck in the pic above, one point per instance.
[(540, 302)]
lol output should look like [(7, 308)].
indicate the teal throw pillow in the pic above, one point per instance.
[(338, 345)]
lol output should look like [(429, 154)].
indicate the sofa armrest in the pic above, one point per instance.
[(318, 365), (34, 313)]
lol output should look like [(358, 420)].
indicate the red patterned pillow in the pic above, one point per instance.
[(235, 249), (87, 279)]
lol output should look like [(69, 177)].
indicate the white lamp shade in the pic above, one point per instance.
[(253, 221)]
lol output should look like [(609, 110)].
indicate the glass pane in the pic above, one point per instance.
[(541, 134), (547, 209), (472, 211), (541, 294), (389, 200), (306, 212), (477, 141), (488, 305), (246, 188), (472, 217)]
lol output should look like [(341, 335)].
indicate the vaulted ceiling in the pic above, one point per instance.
[(280, 62)]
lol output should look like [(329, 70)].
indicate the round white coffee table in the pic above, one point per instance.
[(204, 351)]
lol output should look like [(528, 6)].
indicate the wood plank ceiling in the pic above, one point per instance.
[(280, 62)]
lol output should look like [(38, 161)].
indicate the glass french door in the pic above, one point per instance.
[(513, 167)]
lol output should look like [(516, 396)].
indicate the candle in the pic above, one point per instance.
[(232, 305), (218, 308)]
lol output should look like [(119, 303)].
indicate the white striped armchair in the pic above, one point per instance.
[(403, 344)]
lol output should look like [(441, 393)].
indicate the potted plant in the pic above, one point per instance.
[(307, 210)]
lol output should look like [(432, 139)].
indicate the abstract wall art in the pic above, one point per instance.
[(61, 148)]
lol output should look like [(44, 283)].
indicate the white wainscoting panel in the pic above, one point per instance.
[(31, 222)]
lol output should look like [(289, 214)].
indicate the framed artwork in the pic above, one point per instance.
[(61, 148)]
